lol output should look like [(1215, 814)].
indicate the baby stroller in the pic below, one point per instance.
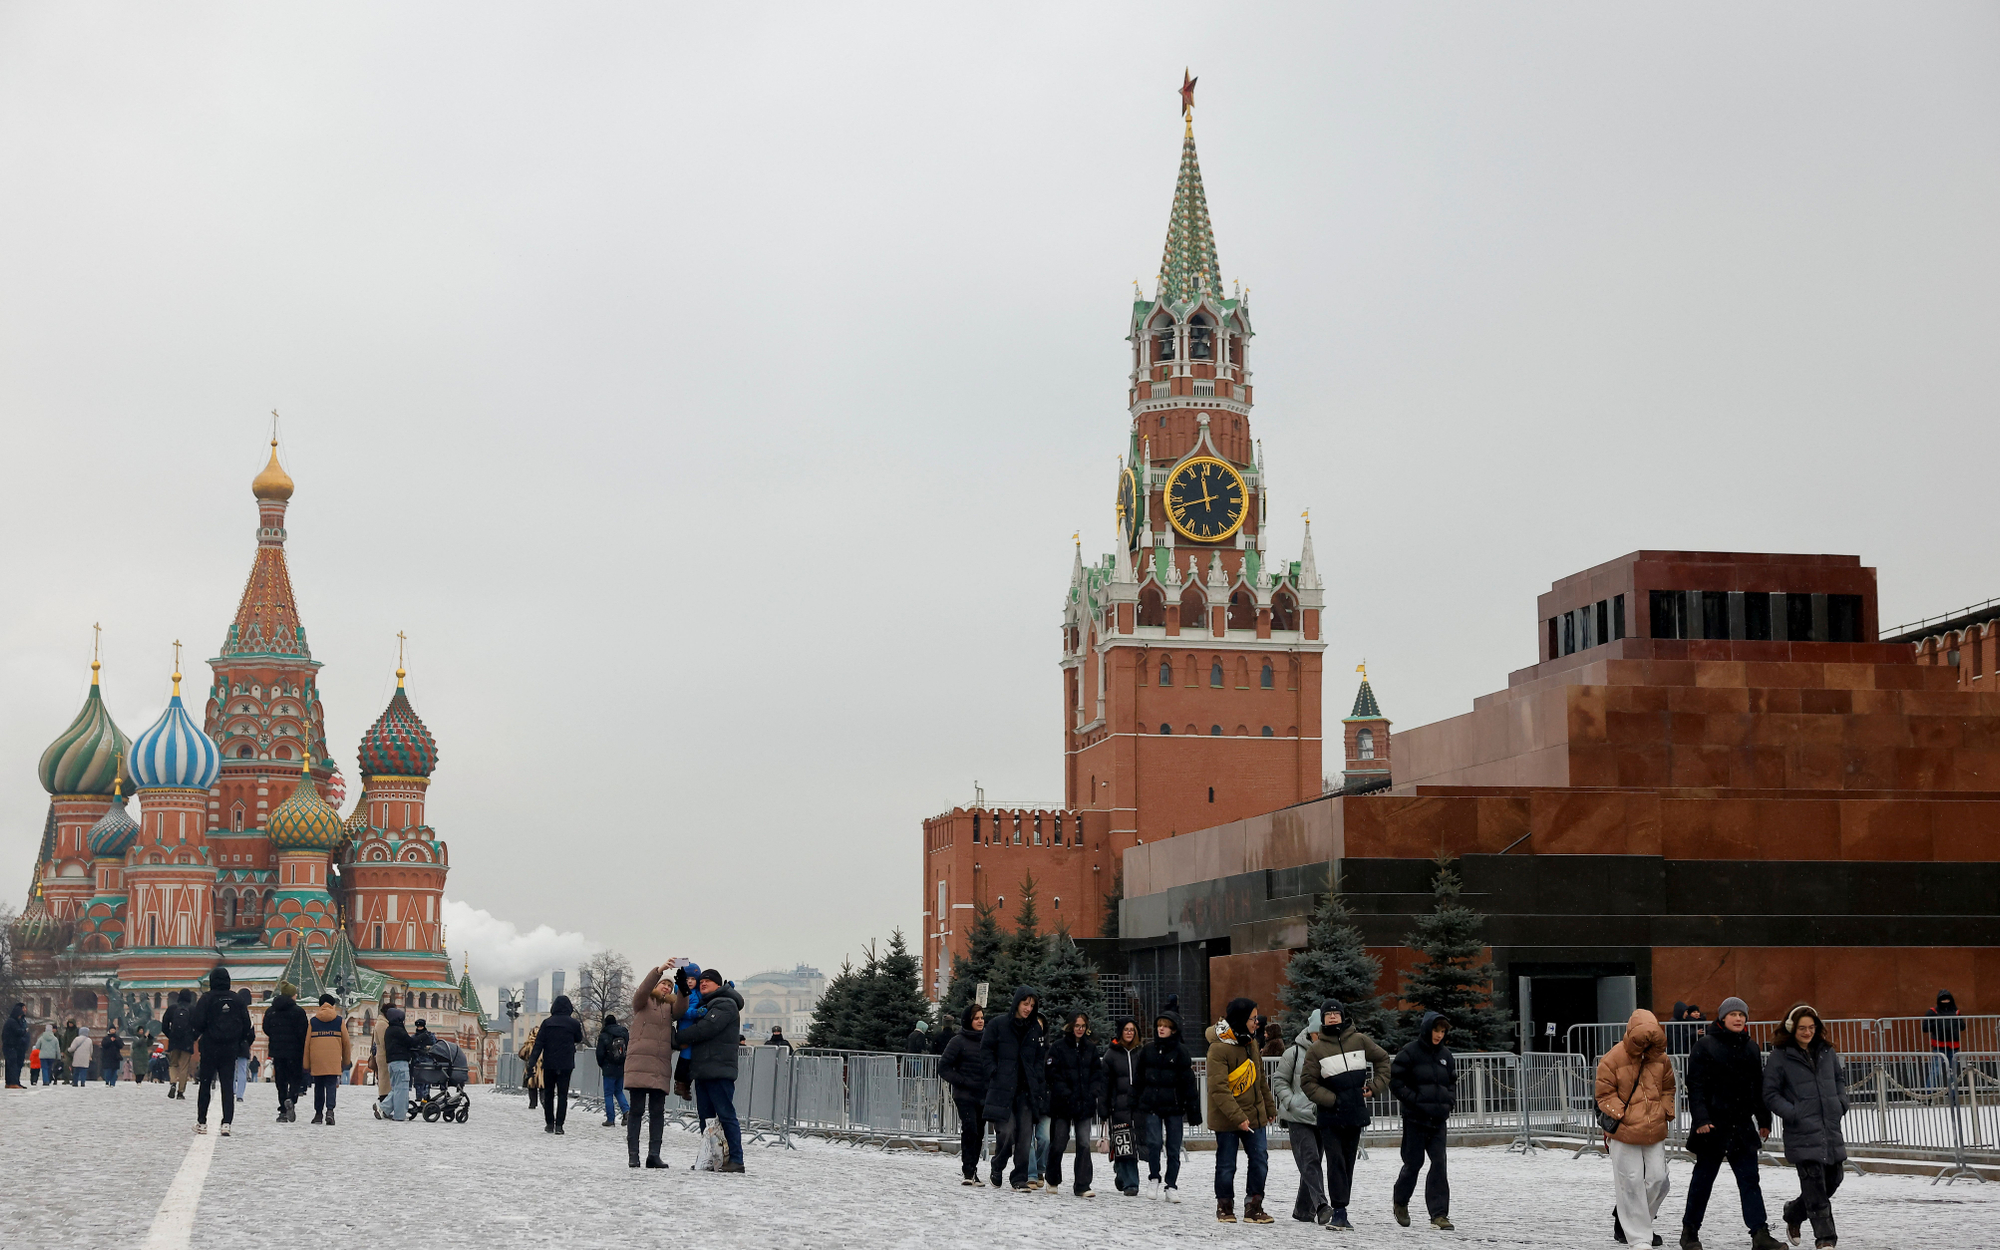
[(438, 1073)]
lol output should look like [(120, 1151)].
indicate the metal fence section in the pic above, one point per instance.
[(1854, 1036)]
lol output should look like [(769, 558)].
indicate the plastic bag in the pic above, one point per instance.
[(714, 1149)]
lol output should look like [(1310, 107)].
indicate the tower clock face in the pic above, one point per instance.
[(1206, 499), (1128, 501)]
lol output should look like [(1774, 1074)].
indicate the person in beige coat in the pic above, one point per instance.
[(1635, 1088), (649, 1061)]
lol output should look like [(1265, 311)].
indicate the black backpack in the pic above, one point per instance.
[(614, 1050)]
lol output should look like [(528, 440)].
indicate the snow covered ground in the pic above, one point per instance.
[(92, 1167)]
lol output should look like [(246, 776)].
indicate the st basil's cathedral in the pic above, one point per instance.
[(237, 853)]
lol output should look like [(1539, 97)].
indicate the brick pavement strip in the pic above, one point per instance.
[(92, 1167)]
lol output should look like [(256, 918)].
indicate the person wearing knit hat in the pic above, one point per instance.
[(1725, 1092), (1343, 1069), (1240, 1105)]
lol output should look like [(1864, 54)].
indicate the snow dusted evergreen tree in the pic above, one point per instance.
[(1069, 986), (1334, 965), (892, 996), (1452, 978), (1024, 960), (834, 1016), (983, 948)]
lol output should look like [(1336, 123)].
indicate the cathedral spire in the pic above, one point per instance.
[(267, 617), (1188, 267)]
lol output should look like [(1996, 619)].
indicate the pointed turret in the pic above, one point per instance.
[(267, 617), (304, 978), (1366, 732), (1188, 267), (468, 996), (341, 977), (1308, 571)]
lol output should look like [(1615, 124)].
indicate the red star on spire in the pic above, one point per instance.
[(1187, 93)]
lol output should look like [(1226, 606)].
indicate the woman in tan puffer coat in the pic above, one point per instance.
[(649, 1061), (1635, 1087)]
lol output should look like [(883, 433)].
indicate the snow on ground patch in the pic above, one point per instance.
[(89, 1167)]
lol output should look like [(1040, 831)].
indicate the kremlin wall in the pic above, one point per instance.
[(236, 853)]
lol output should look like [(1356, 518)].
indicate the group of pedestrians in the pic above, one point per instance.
[(67, 1056), (1733, 1091), (683, 1034), (1040, 1094)]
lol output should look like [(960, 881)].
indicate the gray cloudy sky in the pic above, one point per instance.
[(711, 391)]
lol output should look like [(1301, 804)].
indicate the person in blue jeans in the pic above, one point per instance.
[(1240, 1105), (396, 1054), (1725, 1093), (1120, 1107), (1168, 1098), (713, 1039), (612, 1040)]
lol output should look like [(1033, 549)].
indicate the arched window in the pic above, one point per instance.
[(1163, 339), (229, 911), (1364, 744), (975, 827), (1215, 674), (1284, 611), (1058, 901), (1264, 677), (245, 751), (1242, 610), (1215, 731), (1194, 607), (1267, 731), (1152, 605), (1201, 338), (1166, 728), (1166, 671), (1211, 794), (283, 752)]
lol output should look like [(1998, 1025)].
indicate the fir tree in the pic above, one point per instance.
[(833, 1016), (892, 999), (1069, 986), (1335, 964), (1451, 978), (982, 949), (1024, 960)]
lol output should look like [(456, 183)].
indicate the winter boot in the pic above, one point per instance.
[(281, 1113), (329, 1117), (1690, 1240), (1402, 1214), (1253, 1210), (1442, 1223), (319, 1117), (654, 1161), (731, 1166), (1791, 1229), (1761, 1239), (1225, 1210), (1825, 1243), (1617, 1229)]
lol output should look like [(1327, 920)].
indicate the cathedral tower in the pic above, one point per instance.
[(81, 769), (170, 871), (397, 865)]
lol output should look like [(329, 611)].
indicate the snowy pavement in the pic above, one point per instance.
[(92, 1167)]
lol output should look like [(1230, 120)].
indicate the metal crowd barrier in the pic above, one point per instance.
[(1855, 1036)]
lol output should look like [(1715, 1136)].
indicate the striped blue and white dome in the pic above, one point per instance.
[(174, 753)]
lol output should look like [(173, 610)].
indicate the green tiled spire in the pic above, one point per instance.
[(304, 978), (1188, 267), (1365, 707), (468, 997), (340, 970)]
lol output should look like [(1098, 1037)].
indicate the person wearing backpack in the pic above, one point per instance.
[(221, 1026), (612, 1041), (1635, 1105), (1342, 1070)]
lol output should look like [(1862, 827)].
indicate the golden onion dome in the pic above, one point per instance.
[(273, 482)]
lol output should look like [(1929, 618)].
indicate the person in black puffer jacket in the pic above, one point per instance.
[(285, 1039), (1725, 1092), (14, 1040), (555, 1047), (1804, 1087), (1425, 1083), (1169, 1098), (1076, 1089), (396, 1051), (612, 1040), (1014, 1056), (221, 1028), (961, 1069), (713, 1039)]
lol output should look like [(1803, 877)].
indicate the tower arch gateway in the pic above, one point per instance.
[(1186, 647)]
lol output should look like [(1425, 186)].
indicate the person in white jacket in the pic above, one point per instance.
[(79, 1055)]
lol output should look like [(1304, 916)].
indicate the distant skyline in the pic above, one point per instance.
[(710, 394)]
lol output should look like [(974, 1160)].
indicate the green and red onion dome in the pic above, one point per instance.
[(398, 745)]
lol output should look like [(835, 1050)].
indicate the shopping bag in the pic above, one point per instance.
[(714, 1149), (1122, 1144)]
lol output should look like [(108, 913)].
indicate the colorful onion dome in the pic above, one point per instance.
[(356, 824), (273, 482), (398, 745), (174, 753), (36, 930), (336, 787), (304, 822), (114, 832), (87, 758)]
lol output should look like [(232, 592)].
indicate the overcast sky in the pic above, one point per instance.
[(711, 391)]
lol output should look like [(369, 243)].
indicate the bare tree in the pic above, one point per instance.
[(604, 983), (10, 976)]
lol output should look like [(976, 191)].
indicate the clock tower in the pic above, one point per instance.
[(1191, 654)]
